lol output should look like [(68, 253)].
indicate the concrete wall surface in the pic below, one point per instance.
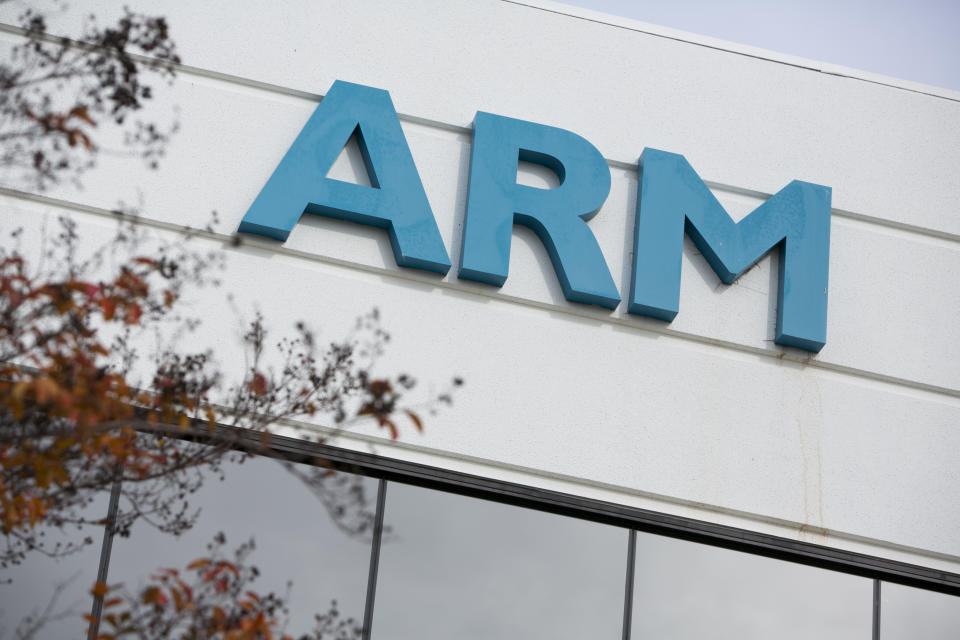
[(857, 447)]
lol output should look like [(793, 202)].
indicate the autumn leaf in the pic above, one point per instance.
[(415, 419), (389, 424), (82, 113), (258, 384), (109, 307), (45, 390), (134, 311), (99, 590)]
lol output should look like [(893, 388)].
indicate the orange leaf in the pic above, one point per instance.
[(178, 600), (46, 390), (134, 311), (153, 595), (82, 113), (388, 423), (416, 420), (109, 307)]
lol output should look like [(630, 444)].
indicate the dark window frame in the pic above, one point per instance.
[(645, 520), (632, 519)]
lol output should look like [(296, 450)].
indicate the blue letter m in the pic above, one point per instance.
[(673, 200)]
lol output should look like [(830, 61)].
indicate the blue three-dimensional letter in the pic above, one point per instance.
[(559, 216), (396, 201), (673, 200)]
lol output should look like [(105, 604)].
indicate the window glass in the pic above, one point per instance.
[(688, 590), (296, 537), (458, 567), (61, 583), (915, 614)]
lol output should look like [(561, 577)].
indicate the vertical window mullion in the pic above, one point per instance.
[(108, 531), (876, 609), (628, 586), (374, 560)]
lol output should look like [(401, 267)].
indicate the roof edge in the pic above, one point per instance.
[(736, 48)]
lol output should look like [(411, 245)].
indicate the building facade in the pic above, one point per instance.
[(604, 472)]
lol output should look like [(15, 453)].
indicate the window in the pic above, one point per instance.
[(62, 583), (461, 556), (296, 538), (915, 614), (458, 567), (688, 590)]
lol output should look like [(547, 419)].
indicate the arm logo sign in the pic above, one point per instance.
[(672, 201)]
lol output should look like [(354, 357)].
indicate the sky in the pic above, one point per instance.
[(917, 40)]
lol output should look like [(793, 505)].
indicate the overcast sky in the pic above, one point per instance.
[(916, 40)]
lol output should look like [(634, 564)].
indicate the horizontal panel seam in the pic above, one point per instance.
[(466, 130), (633, 323)]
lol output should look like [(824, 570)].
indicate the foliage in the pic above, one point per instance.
[(211, 598), (82, 407), (53, 94), (72, 422)]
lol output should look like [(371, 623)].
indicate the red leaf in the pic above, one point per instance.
[(133, 314), (258, 384)]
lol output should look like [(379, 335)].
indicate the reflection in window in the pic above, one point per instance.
[(915, 614), (62, 582), (457, 567), (296, 537), (688, 590)]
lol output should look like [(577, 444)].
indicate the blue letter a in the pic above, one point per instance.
[(673, 200), (396, 201)]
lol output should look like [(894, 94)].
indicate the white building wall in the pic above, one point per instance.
[(856, 447)]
